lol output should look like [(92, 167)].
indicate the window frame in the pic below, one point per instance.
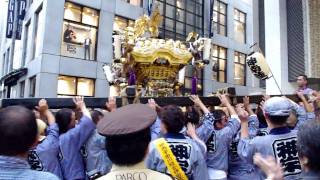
[(219, 13), (127, 21), (242, 64), (32, 86), (4, 55), (239, 21), (80, 23), (76, 86), (218, 61), (22, 87), (35, 31), (174, 34), (25, 43)]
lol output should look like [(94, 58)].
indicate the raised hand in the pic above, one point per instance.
[(242, 113), (247, 105), (196, 100), (152, 104), (224, 99), (44, 111), (111, 105), (269, 166), (42, 106), (79, 102)]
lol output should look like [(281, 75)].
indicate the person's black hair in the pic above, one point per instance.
[(278, 120), (63, 119), (18, 130), (95, 115), (130, 149), (192, 116), (304, 77), (308, 144), (261, 118), (173, 118), (218, 116)]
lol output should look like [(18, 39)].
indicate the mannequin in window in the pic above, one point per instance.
[(87, 43)]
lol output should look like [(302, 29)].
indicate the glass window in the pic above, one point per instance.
[(39, 32), (135, 2), (3, 71), (180, 28), (190, 18), (170, 2), (27, 34), (85, 87), (180, 18), (219, 18), (169, 24), (170, 11), (180, 15), (13, 92), (36, 43), (219, 68), (239, 68), (22, 87), (32, 89), (66, 85), (72, 12), (198, 9), (90, 16), (181, 4), (191, 6), (74, 86), (78, 41), (120, 23), (7, 61), (239, 26), (79, 37)]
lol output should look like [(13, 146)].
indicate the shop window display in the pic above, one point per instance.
[(79, 37)]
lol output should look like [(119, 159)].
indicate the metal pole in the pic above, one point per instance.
[(276, 81), (14, 32)]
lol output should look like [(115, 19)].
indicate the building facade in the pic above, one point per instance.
[(289, 36), (64, 44)]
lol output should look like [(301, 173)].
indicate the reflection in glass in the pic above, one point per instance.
[(239, 26), (119, 23), (170, 11), (219, 21), (239, 68), (39, 32), (219, 62)]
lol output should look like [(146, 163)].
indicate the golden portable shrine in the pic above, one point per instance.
[(155, 67)]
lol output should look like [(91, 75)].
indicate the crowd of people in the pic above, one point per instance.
[(276, 139)]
